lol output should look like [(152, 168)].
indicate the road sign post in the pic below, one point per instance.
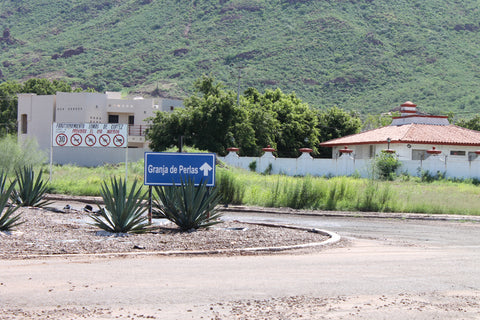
[(167, 169)]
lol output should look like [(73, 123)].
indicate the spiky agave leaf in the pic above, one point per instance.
[(7, 219), (187, 205), (123, 211), (31, 191)]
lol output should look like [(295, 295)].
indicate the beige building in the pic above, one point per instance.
[(37, 113)]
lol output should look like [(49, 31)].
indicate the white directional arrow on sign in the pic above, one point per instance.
[(205, 168)]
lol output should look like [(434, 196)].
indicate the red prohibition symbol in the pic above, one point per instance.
[(104, 140), (90, 140), (118, 140), (61, 139), (76, 139)]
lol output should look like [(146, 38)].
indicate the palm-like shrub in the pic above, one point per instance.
[(123, 211), (187, 205), (7, 218), (30, 191)]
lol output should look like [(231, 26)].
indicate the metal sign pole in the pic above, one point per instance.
[(51, 151), (149, 204), (126, 163)]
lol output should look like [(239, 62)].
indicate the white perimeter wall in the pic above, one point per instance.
[(93, 157), (346, 165)]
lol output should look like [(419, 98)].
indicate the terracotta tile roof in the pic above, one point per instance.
[(411, 133)]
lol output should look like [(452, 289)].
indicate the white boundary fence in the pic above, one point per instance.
[(347, 165)]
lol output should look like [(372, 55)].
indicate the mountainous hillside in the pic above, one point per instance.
[(364, 55)]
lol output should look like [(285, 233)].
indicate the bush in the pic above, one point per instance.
[(386, 165), (187, 205), (427, 176), (253, 166), (123, 211), (15, 155)]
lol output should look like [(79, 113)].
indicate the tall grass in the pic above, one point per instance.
[(73, 180), (317, 193), (231, 189)]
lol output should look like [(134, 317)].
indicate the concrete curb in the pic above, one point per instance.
[(333, 238), (354, 214)]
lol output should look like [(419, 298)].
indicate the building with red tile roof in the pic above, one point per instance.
[(412, 136)]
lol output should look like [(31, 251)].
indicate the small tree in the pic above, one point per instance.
[(386, 165), (335, 123)]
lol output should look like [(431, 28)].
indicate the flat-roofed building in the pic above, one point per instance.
[(37, 113)]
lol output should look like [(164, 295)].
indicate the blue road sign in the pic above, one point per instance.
[(166, 169)]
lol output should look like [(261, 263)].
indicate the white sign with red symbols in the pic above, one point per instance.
[(111, 135)]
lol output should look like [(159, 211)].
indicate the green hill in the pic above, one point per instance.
[(364, 55)]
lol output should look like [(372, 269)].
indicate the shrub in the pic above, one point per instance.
[(187, 205), (427, 176), (123, 211), (253, 166), (31, 191), (7, 218), (386, 165), (15, 155)]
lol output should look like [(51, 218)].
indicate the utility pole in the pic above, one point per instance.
[(238, 88)]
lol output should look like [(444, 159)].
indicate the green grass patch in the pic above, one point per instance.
[(317, 193)]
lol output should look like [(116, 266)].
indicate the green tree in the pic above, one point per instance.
[(293, 123), (45, 86), (167, 128), (335, 123), (8, 106), (472, 124), (376, 121), (211, 120)]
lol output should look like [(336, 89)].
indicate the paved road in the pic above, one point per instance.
[(385, 269)]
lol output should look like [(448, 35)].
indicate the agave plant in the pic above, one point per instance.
[(31, 191), (187, 205), (7, 219), (123, 211)]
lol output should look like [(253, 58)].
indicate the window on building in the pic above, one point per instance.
[(371, 151), (24, 124), (457, 153), (113, 118), (131, 120), (419, 154)]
